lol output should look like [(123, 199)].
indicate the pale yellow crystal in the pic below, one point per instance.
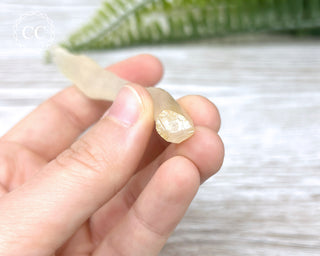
[(173, 127)]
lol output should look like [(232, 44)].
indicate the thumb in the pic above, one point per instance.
[(48, 209)]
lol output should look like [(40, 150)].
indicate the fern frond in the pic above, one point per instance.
[(120, 23)]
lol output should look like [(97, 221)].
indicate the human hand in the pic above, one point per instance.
[(118, 189)]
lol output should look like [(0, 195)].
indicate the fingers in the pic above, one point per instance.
[(205, 149), (79, 181), (17, 164), (203, 113), (56, 123), (148, 224), (143, 69)]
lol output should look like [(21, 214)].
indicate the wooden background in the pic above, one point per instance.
[(266, 198)]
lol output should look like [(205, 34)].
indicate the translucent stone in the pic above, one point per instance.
[(173, 127)]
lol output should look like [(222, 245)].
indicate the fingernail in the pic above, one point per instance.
[(126, 107)]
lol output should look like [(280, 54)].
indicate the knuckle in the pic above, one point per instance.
[(9, 154), (5, 170), (147, 225), (85, 156)]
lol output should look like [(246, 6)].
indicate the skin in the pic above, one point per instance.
[(116, 190)]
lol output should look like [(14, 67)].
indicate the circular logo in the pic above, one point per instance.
[(34, 30)]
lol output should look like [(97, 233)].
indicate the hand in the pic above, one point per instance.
[(116, 190)]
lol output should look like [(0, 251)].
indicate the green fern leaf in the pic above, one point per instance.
[(120, 23)]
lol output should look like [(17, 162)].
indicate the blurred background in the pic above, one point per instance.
[(266, 198)]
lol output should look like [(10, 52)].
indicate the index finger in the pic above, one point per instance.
[(56, 123)]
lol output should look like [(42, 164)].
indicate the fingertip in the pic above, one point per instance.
[(168, 194), (154, 66), (210, 149), (180, 178), (146, 100), (205, 149), (202, 111), (143, 69)]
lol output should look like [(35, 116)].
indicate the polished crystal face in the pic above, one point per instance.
[(173, 127)]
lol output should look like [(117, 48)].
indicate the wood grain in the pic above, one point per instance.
[(266, 198)]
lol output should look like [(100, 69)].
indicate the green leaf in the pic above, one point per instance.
[(120, 23)]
